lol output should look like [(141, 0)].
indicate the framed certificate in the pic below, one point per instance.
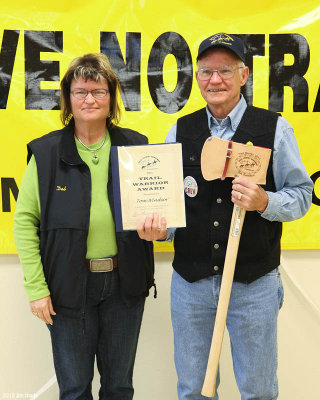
[(147, 179)]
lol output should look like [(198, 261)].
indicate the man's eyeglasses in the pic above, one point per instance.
[(83, 93), (225, 72)]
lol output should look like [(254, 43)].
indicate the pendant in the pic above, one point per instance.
[(95, 159)]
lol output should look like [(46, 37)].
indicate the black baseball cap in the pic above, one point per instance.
[(224, 40)]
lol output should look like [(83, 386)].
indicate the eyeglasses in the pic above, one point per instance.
[(225, 72), (83, 93)]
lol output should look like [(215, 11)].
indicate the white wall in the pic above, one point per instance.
[(25, 353)]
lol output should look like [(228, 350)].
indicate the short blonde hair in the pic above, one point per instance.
[(94, 67)]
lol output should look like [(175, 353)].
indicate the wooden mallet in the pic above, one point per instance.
[(219, 159)]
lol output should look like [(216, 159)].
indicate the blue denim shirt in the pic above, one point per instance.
[(294, 186)]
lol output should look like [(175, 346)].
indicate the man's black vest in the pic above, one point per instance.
[(65, 221), (200, 248)]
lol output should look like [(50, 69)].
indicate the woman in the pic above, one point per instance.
[(87, 282)]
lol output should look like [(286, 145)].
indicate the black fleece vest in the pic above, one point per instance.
[(65, 221), (200, 247)]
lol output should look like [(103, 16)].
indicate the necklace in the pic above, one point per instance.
[(95, 158)]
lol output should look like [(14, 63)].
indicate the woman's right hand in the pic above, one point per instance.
[(43, 309)]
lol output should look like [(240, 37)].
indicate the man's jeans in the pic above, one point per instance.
[(252, 326), (109, 331)]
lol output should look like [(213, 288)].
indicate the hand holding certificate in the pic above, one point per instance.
[(148, 179)]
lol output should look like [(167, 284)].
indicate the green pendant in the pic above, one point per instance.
[(95, 159)]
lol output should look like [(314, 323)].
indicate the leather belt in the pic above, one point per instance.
[(107, 264)]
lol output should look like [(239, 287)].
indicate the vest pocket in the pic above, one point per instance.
[(63, 253)]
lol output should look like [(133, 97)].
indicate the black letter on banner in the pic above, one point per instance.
[(315, 199), (36, 42), (7, 57), (255, 46), (129, 72), (170, 43), (8, 184), (291, 75), (316, 107)]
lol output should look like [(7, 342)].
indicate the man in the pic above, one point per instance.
[(200, 248)]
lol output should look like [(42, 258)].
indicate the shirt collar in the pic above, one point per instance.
[(233, 118)]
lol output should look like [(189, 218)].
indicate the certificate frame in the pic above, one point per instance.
[(146, 179)]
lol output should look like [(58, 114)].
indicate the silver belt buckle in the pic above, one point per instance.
[(101, 265)]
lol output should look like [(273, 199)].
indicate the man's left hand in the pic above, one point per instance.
[(249, 195)]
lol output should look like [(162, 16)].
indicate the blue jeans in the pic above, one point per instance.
[(252, 326), (109, 331)]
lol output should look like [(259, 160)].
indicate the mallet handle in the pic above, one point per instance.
[(209, 385)]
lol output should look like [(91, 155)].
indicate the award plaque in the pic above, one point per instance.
[(147, 179)]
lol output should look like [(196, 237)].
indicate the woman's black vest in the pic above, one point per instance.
[(65, 197), (200, 248)]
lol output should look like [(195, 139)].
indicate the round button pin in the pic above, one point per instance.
[(190, 186)]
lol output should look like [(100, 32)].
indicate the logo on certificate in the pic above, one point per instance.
[(148, 162)]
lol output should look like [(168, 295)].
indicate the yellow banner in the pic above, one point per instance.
[(153, 47)]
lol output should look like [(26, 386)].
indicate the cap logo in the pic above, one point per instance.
[(221, 38)]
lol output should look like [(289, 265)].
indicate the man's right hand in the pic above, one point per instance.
[(148, 229)]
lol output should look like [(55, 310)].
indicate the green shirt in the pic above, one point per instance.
[(101, 241)]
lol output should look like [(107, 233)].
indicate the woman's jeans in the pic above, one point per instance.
[(252, 326), (109, 331)]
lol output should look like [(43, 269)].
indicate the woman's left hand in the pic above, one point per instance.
[(149, 229)]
